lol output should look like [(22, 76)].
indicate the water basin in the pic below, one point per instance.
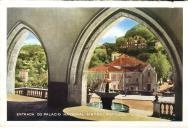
[(115, 106), (120, 107), (96, 105)]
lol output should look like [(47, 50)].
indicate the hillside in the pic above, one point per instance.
[(140, 43), (141, 31), (33, 59)]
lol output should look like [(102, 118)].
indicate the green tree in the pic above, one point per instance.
[(32, 57), (110, 47), (161, 64), (99, 57), (143, 56)]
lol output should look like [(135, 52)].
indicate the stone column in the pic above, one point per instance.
[(156, 109)]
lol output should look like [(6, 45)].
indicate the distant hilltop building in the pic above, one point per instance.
[(135, 42), (125, 73)]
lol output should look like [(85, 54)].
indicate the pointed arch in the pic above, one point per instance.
[(16, 37), (90, 35)]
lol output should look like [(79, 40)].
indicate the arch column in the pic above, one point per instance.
[(12, 59)]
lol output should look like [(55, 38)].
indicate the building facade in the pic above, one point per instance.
[(135, 42), (125, 74)]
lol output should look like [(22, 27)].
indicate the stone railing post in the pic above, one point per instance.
[(25, 91), (16, 91), (43, 94), (156, 107)]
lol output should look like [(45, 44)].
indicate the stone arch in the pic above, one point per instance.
[(15, 41), (85, 46)]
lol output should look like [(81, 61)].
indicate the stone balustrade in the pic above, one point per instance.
[(32, 92), (167, 109), (164, 109)]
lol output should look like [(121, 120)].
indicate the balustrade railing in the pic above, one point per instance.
[(167, 109), (164, 109), (32, 92)]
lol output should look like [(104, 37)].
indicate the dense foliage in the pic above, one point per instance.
[(161, 64), (99, 57), (153, 53), (141, 30), (33, 59)]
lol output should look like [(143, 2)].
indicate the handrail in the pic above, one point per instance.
[(32, 92), (167, 109), (164, 109)]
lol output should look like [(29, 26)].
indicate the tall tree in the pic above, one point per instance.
[(161, 64), (99, 57)]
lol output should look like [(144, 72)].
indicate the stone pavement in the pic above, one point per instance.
[(140, 112), (151, 98)]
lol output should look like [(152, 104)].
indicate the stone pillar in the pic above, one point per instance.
[(77, 91), (156, 109), (77, 94)]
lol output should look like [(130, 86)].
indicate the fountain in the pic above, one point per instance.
[(107, 97)]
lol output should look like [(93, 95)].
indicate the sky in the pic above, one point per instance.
[(31, 40), (119, 29)]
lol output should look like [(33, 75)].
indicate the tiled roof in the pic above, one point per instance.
[(100, 68), (124, 63), (104, 68), (125, 60)]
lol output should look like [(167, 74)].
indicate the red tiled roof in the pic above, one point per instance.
[(128, 63), (125, 60), (113, 69), (100, 68), (104, 68)]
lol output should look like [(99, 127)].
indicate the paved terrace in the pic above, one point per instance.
[(146, 98), (26, 108), (23, 108)]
